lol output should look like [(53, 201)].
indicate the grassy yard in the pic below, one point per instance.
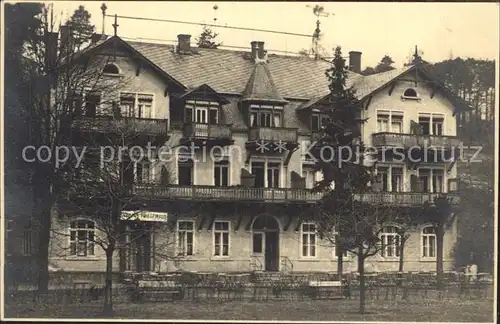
[(454, 310)]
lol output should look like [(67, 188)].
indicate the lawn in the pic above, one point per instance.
[(447, 310)]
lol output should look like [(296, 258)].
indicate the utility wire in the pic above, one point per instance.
[(212, 25), (220, 46)]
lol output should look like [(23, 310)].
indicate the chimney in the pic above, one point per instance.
[(254, 49), (355, 61), (184, 43), (258, 52)]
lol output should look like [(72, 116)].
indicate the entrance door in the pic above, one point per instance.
[(137, 256), (272, 251), (266, 241)]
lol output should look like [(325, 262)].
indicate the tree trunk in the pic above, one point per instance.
[(401, 255), (340, 265), (44, 204), (439, 254), (361, 270), (340, 258), (108, 284)]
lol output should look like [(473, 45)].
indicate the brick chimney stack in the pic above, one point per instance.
[(184, 43), (355, 61), (258, 51)]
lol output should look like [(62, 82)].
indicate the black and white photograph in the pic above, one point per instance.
[(202, 161)]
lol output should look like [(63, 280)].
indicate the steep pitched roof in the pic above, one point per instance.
[(234, 72), (260, 85), (228, 71)]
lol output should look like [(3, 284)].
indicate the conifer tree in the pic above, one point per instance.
[(207, 38), (343, 220)]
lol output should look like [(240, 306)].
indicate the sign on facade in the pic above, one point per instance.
[(144, 216)]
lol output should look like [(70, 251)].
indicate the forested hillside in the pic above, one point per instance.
[(474, 81)]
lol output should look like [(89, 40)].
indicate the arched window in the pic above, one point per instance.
[(111, 68), (82, 237), (429, 242), (410, 93), (391, 242)]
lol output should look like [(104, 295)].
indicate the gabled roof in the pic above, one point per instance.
[(261, 87), (204, 91), (117, 41)]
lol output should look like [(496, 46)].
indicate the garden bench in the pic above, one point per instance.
[(326, 289), (157, 290)]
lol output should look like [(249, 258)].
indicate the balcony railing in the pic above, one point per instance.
[(108, 124), (207, 131), (273, 134), (413, 140), (405, 198), (211, 193)]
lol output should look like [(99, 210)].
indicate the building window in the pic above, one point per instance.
[(267, 174), (92, 103), (273, 175), (424, 122), (110, 68), (75, 102), (27, 242), (265, 117), (82, 238), (202, 112), (127, 104), (382, 122), (311, 177), (410, 93), (437, 181), (221, 238), (258, 243), (185, 172), (221, 173), (428, 242), (185, 238), (144, 106), (396, 124), (396, 179), (390, 240), (309, 240), (136, 105), (383, 178), (423, 177), (315, 123), (143, 172), (437, 125), (389, 121)]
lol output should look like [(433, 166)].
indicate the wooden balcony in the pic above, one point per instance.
[(406, 141), (273, 134), (276, 195), (217, 134), (122, 125), (275, 140)]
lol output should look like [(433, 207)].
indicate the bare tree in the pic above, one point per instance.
[(360, 224), (54, 72)]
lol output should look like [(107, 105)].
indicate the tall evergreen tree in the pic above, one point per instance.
[(343, 221), (80, 26)]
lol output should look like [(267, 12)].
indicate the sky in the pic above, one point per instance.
[(440, 30)]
